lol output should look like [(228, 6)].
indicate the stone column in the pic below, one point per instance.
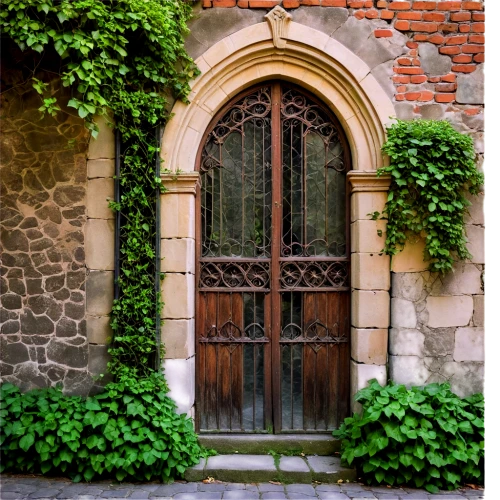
[(370, 281), (178, 286), (100, 246)]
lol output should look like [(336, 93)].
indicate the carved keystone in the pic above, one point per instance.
[(279, 21)]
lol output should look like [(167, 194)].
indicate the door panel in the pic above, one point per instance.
[(272, 277)]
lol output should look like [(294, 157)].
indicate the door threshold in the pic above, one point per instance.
[(263, 444)]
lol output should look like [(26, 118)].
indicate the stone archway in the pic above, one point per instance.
[(342, 81)]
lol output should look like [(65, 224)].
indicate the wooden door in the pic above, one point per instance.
[(272, 322)]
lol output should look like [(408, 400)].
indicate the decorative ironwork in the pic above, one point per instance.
[(314, 168), (314, 274), (234, 275), (316, 332), (231, 333)]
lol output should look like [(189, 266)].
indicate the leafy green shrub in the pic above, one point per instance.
[(129, 431), (423, 436), (432, 167)]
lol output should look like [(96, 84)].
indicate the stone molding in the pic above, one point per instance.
[(184, 182), (279, 20), (312, 59), (368, 181)]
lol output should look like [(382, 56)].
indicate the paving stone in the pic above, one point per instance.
[(199, 495), (331, 495), (271, 488), (212, 487), (173, 489), (273, 495), (120, 493), (44, 493), (240, 495), (139, 494), (303, 489)]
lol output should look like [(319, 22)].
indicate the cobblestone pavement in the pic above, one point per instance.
[(20, 487)]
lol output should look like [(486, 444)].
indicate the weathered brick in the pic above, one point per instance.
[(409, 71), (439, 17), (472, 6), (476, 38), (224, 3), (444, 97), (243, 4), (401, 79), (464, 28), (418, 79), (420, 38), (334, 3), (478, 16), (402, 25), (448, 27), (477, 27), (456, 40), (472, 111), (462, 59), (360, 14), (400, 6), (426, 95), (416, 62), (434, 79), (449, 5), (427, 27), (479, 58), (450, 51), (472, 49), (413, 53), (291, 4), (412, 96), (400, 97), (460, 16), (411, 16), (310, 2), (436, 39), (383, 33), (449, 78), (446, 87), (372, 14), (382, 4), (404, 61), (386, 14), (424, 5), (464, 68), (207, 4), (355, 4), (368, 4), (401, 88)]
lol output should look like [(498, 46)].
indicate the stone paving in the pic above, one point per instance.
[(21, 487)]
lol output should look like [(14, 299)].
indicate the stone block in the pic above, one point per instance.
[(370, 309), (180, 376), (178, 255), (295, 469), (177, 215), (408, 370), (241, 468), (403, 314), (178, 292), (98, 359), (469, 344), (98, 329), (383, 74), (365, 203), (466, 378), (99, 193), (353, 34), (361, 374), (410, 259), (478, 315), (464, 280), (100, 244), (439, 342), (433, 63), (470, 87), (369, 346), (104, 145), (370, 271), (406, 342), (326, 19), (100, 168), (477, 212), (432, 111), (408, 286), (328, 470), (475, 235), (178, 337), (368, 235), (99, 294), (449, 311)]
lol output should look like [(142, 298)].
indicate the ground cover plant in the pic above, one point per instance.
[(432, 167), (420, 437), (122, 59)]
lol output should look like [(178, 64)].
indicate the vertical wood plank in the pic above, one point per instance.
[(309, 363), (237, 366)]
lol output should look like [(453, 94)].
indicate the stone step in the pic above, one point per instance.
[(262, 468), (262, 444)]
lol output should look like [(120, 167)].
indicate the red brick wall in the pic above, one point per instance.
[(455, 27)]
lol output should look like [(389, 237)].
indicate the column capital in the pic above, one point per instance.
[(368, 181), (183, 182)]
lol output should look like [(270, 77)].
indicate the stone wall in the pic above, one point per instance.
[(48, 333)]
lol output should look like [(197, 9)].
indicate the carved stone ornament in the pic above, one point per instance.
[(279, 20)]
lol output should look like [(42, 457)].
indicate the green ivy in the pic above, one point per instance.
[(423, 436), (129, 432), (122, 59), (432, 167)]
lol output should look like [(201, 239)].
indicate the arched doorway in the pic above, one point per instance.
[(273, 260)]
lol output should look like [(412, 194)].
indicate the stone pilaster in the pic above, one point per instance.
[(370, 281), (178, 286)]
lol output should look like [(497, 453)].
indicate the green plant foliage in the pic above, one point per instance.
[(128, 432), (432, 167), (423, 436)]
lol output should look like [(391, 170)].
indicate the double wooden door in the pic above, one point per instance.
[(272, 321)]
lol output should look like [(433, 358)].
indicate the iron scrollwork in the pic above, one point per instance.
[(253, 275), (314, 274)]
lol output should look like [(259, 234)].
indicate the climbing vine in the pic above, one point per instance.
[(432, 168), (122, 59)]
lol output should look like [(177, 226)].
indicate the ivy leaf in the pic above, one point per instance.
[(432, 207), (26, 441)]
